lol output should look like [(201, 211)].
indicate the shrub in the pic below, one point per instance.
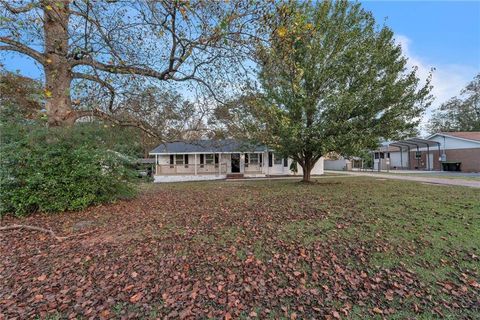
[(57, 169)]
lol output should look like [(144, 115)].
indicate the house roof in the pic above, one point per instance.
[(473, 135), (207, 146)]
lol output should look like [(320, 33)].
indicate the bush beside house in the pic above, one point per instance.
[(57, 169)]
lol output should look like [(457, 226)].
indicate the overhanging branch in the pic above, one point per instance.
[(79, 75), (13, 45), (132, 122), (17, 10)]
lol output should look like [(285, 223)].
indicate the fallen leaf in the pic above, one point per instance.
[(43, 277), (136, 297), (377, 310)]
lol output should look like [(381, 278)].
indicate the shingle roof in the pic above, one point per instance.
[(207, 146), (474, 135)]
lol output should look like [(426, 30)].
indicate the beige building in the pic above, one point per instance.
[(220, 159), (443, 151)]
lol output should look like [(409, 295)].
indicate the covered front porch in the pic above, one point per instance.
[(209, 164)]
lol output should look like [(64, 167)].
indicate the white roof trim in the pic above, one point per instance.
[(166, 154), (453, 137)]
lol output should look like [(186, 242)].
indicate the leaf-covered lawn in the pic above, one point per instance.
[(351, 247)]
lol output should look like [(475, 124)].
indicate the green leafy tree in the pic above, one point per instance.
[(331, 80), (459, 113)]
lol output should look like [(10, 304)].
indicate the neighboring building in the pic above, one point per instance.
[(219, 159), (343, 164), (447, 151)]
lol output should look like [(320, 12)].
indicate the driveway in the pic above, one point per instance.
[(437, 179)]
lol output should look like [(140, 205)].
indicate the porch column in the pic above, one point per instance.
[(219, 163), (195, 164)]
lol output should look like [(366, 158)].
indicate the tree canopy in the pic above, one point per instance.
[(459, 113), (330, 80), (121, 47)]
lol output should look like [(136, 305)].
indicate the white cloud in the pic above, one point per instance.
[(447, 80)]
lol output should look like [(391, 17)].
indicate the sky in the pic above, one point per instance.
[(444, 35)]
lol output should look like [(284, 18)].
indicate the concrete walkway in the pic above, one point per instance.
[(433, 180)]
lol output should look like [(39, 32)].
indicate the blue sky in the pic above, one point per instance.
[(440, 34), (444, 32)]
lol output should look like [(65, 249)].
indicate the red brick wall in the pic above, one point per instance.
[(470, 159)]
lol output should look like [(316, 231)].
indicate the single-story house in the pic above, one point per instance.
[(220, 159), (443, 151)]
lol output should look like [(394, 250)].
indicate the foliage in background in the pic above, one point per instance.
[(331, 81), (57, 169), (20, 97), (459, 113)]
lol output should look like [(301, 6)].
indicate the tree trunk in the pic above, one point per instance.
[(58, 73), (307, 175), (307, 169)]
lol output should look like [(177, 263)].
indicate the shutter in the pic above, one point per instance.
[(171, 159), (246, 158), (270, 159), (260, 158), (216, 158), (201, 159), (186, 159), (285, 162)]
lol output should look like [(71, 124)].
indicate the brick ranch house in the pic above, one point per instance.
[(443, 151), (220, 159)]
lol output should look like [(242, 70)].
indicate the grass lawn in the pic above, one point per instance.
[(439, 176), (353, 247)]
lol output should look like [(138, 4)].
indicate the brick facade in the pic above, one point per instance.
[(470, 159)]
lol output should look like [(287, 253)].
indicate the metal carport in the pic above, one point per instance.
[(416, 142)]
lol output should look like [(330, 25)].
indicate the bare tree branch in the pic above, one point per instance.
[(22, 48), (40, 229), (78, 75), (130, 122), (17, 10)]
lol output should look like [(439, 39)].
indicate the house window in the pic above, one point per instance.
[(260, 158), (179, 159), (202, 160), (171, 161), (209, 158), (246, 160), (285, 162), (270, 159), (376, 155), (277, 159), (216, 160)]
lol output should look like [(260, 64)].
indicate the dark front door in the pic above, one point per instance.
[(235, 162)]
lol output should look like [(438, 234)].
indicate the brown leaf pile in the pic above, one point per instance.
[(178, 253)]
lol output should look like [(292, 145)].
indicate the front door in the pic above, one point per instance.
[(235, 162)]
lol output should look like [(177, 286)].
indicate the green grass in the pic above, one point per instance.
[(429, 229), (292, 230), (433, 175)]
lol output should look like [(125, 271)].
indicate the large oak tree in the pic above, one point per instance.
[(330, 80), (113, 42)]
